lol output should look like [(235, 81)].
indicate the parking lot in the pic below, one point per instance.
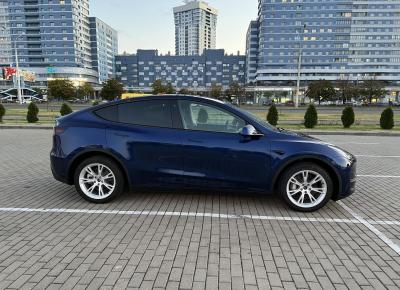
[(51, 238)]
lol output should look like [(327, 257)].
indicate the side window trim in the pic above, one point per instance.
[(209, 105)]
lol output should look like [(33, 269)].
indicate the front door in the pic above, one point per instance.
[(215, 154)]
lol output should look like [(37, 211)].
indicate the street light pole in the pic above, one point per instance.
[(299, 61), (17, 74)]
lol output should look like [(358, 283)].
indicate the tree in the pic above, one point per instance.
[(158, 87), (311, 117), (236, 90), (372, 89), (65, 109), (2, 112), (169, 89), (387, 120), (185, 91), (346, 90), (272, 116), (112, 89), (61, 89), (38, 91), (85, 90), (321, 90), (32, 115), (215, 91), (348, 117)]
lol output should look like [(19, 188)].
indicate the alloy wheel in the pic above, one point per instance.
[(306, 189), (97, 181)]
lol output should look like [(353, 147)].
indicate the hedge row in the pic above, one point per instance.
[(348, 117)]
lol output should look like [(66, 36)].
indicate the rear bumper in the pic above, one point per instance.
[(58, 169)]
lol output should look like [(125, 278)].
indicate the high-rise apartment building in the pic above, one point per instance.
[(5, 40), (104, 45), (336, 39), (195, 28), (252, 51), (52, 38)]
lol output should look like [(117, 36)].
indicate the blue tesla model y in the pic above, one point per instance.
[(187, 142)]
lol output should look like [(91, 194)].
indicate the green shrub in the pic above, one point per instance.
[(311, 117), (348, 117), (65, 109), (95, 103), (387, 120), (2, 112), (272, 116), (32, 115)]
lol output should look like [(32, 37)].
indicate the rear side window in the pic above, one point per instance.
[(147, 113), (108, 113)]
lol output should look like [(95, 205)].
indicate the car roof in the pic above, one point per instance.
[(167, 97)]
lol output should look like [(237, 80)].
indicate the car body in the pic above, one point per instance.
[(190, 142)]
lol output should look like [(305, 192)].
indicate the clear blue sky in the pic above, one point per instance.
[(147, 24)]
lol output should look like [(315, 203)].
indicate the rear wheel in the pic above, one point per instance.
[(99, 179), (306, 187)]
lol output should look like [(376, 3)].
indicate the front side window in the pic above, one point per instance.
[(147, 113), (202, 117)]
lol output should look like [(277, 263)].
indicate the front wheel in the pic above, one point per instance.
[(99, 179), (306, 187)]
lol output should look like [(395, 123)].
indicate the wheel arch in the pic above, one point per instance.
[(92, 153), (332, 171)]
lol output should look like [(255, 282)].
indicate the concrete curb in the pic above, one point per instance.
[(307, 132), (351, 133), (37, 127)]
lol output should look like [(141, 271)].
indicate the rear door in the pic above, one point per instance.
[(144, 136)]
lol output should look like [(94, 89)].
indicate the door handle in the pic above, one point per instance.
[(121, 135), (194, 141)]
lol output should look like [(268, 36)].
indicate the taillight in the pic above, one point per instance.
[(58, 130)]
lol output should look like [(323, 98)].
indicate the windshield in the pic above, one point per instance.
[(255, 118)]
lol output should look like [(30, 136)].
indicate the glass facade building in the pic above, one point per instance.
[(104, 45), (330, 39), (139, 71), (52, 38)]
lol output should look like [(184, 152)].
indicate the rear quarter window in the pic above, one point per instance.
[(155, 113), (108, 113)]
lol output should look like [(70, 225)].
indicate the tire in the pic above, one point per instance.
[(306, 196), (88, 182)]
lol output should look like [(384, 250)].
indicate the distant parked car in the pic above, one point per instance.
[(289, 104), (76, 101), (193, 142)]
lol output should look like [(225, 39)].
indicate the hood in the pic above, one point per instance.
[(298, 137)]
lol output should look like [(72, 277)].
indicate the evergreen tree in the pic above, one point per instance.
[(273, 116), (311, 117), (348, 117), (32, 115)]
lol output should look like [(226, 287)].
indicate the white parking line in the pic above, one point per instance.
[(378, 176), (377, 156), (195, 214), (377, 232)]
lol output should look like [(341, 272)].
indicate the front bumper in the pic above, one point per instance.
[(349, 180)]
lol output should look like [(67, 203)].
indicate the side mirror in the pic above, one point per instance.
[(249, 131)]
